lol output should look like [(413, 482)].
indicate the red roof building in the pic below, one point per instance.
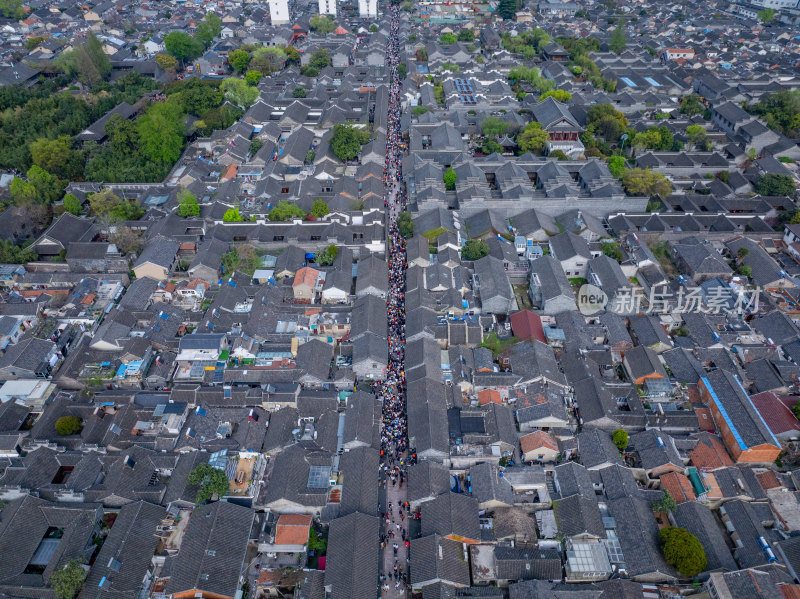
[(678, 486), (776, 411), (527, 326)]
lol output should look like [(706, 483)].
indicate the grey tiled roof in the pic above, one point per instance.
[(351, 571), (578, 515), (435, 558), (698, 520), (451, 514), (213, 549)]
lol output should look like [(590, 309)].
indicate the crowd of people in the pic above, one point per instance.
[(391, 391)]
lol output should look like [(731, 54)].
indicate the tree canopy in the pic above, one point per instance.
[(532, 76), (68, 581), (72, 204), (616, 166), (327, 256), (162, 132), (533, 138), (209, 28), (449, 177), (285, 211), (232, 215), (766, 16), (781, 111), (268, 60), (683, 550), (507, 9), (12, 9), (493, 126), (212, 482), (620, 438), (187, 204), (347, 140), (68, 425), (86, 60), (618, 41), (238, 92), (322, 24), (319, 209), (773, 184), (561, 95), (239, 59), (183, 46), (666, 503), (405, 225), (474, 249), (643, 182)]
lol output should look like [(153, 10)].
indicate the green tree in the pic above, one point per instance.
[(162, 132), (212, 482), (239, 59), (507, 9), (22, 192), (232, 215), (745, 271), (796, 409), (781, 111), (319, 209), (253, 77), (665, 504), (68, 581), (492, 126), (12, 9), (691, 105), (208, 29), (238, 92), (559, 154), (299, 92), (347, 140), (405, 225), (532, 76), (320, 59), (285, 211), (616, 166), (557, 94), (696, 134), (466, 35), (187, 204), (373, 28), (620, 438), (14, 254), (447, 38), (775, 185), (68, 425), (196, 96), (489, 146), (48, 187), (618, 41), (166, 62), (269, 60), (682, 549), (644, 182), (292, 55), (310, 155), (449, 177), (57, 156), (315, 543), (322, 24), (766, 16), (327, 256), (402, 70), (72, 204), (255, 146), (474, 249), (533, 138), (419, 110), (183, 46)]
